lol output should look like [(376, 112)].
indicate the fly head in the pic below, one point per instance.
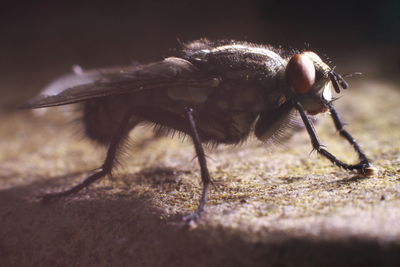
[(311, 79)]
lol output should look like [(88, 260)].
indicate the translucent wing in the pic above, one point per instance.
[(171, 72)]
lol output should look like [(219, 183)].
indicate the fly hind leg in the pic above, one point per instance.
[(109, 162)]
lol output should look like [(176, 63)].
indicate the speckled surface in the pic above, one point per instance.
[(271, 205)]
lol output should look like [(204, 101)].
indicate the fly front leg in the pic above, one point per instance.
[(205, 176), (106, 168), (368, 168), (340, 127), (364, 167)]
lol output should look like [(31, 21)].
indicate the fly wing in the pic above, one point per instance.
[(171, 72)]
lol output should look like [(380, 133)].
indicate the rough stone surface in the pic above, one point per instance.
[(272, 205)]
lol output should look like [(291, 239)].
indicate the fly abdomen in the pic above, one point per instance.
[(102, 116)]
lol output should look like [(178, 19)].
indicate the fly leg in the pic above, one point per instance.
[(364, 166), (368, 168), (106, 168), (340, 127), (205, 176)]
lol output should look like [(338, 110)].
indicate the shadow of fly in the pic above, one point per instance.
[(215, 92)]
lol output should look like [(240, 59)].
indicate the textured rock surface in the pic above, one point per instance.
[(271, 205)]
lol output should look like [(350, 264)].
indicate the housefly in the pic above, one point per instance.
[(216, 92)]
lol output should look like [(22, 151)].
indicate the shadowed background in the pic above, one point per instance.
[(280, 207)]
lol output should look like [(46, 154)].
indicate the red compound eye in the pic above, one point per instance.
[(301, 73)]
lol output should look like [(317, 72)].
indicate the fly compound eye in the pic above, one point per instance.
[(301, 73)]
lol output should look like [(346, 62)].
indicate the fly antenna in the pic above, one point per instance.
[(337, 80)]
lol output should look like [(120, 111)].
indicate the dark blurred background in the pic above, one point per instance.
[(41, 40)]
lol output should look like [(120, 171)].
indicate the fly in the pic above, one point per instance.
[(215, 92)]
